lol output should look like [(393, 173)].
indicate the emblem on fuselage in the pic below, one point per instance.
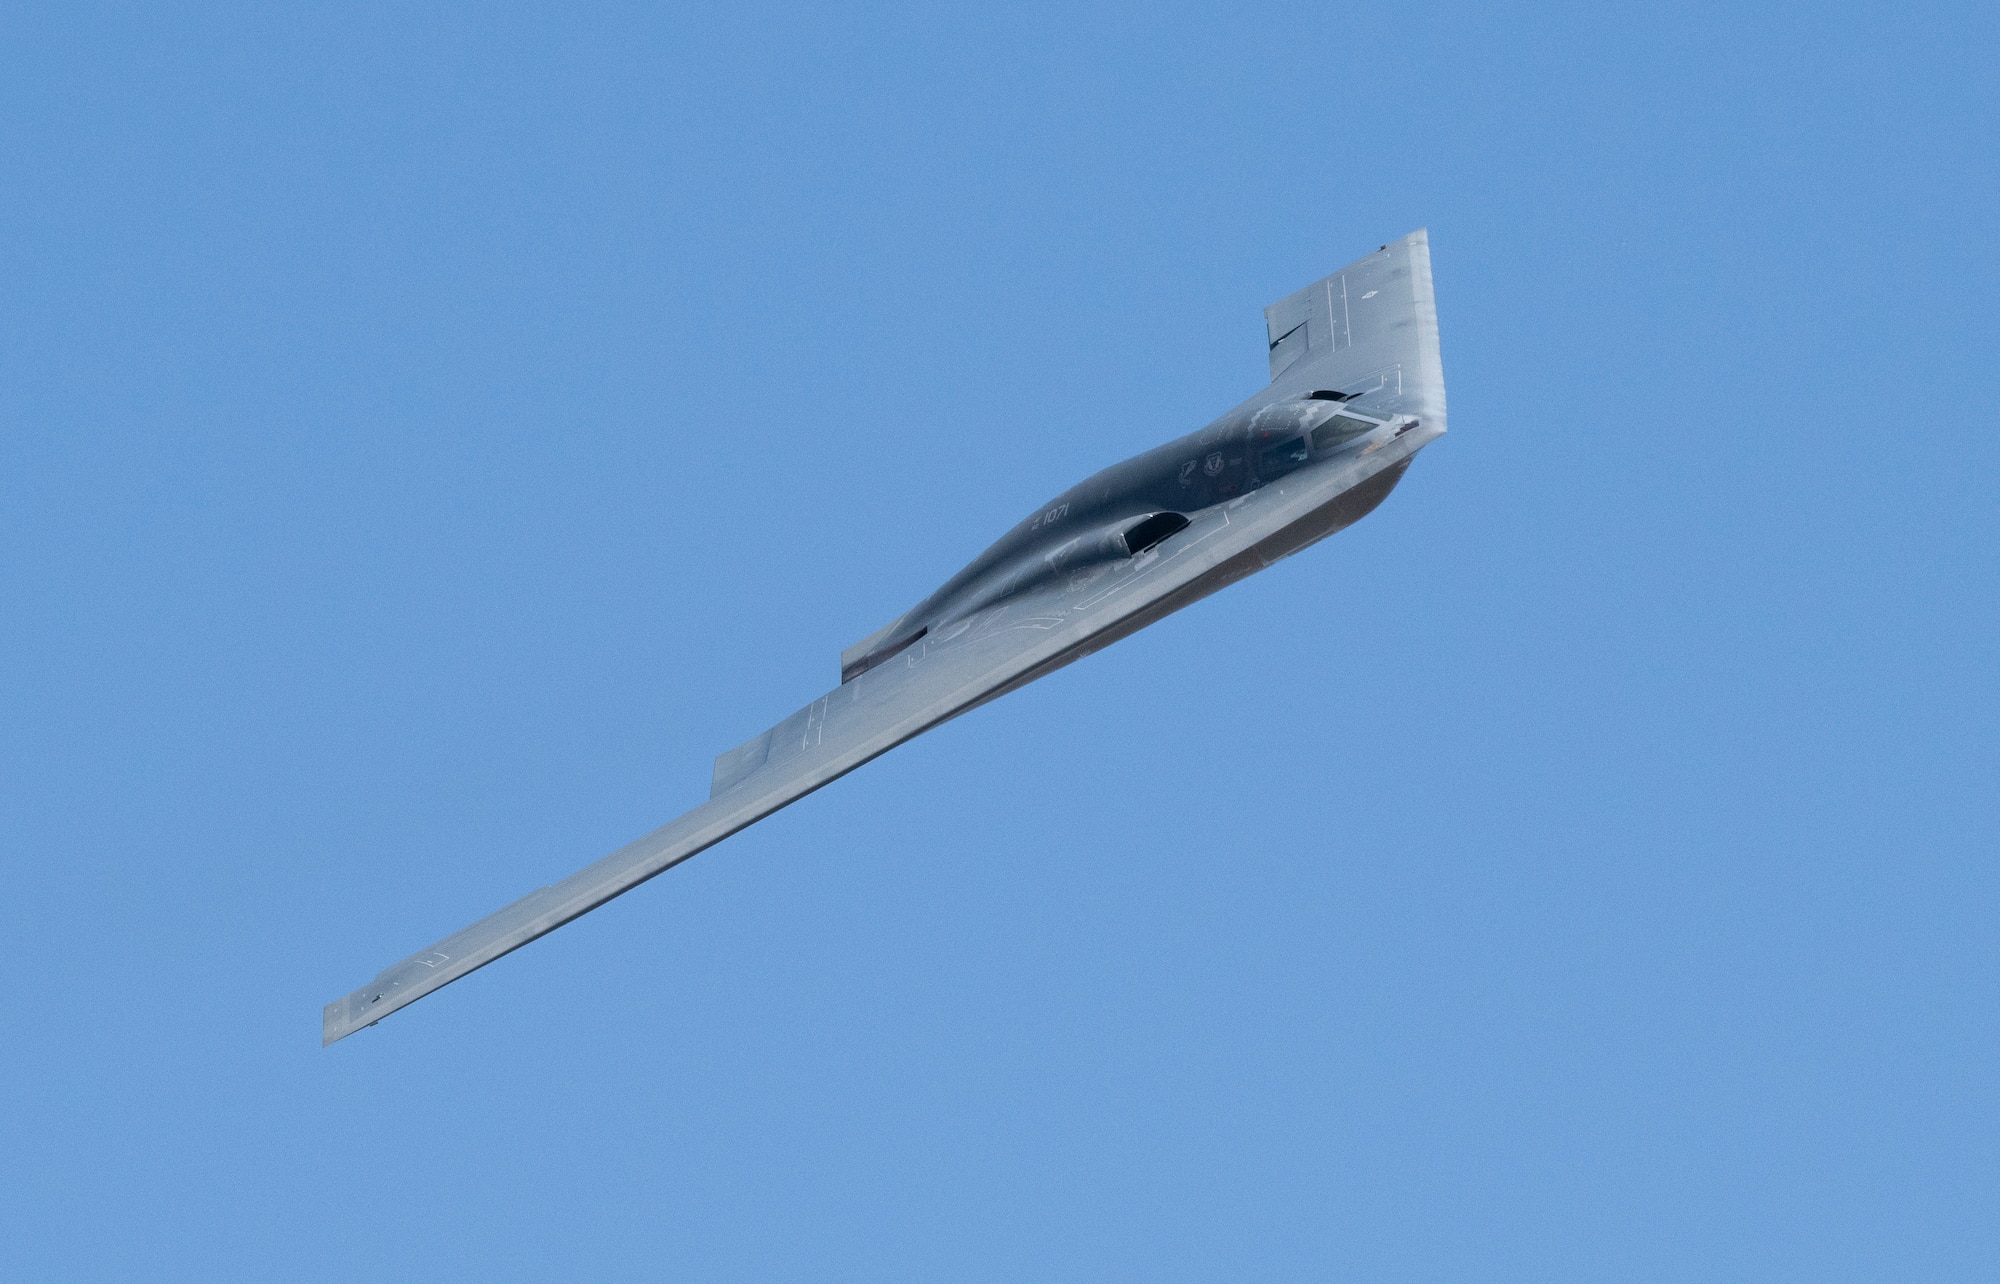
[(1214, 465)]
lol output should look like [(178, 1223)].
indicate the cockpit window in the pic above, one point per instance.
[(1282, 458), (1339, 430)]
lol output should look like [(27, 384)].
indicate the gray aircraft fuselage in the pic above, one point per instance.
[(1132, 506)]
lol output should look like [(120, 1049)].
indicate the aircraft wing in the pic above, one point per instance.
[(1369, 331), (979, 658)]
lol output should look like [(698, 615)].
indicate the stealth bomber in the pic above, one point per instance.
[(1356, 391)]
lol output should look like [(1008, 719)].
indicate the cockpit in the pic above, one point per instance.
[(1281, 457), (1339, 430), (1290, 435)]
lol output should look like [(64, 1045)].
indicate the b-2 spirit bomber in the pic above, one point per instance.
[(1356, 391)]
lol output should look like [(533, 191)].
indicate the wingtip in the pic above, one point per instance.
[(334, 1024)]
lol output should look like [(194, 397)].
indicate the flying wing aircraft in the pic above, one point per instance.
[(1355, 392)]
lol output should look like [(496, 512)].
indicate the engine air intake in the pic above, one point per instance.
[(1143, 535)]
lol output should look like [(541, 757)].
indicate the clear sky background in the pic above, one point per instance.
[(429, 434)]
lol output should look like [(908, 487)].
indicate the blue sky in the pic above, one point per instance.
[(429, 434)]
